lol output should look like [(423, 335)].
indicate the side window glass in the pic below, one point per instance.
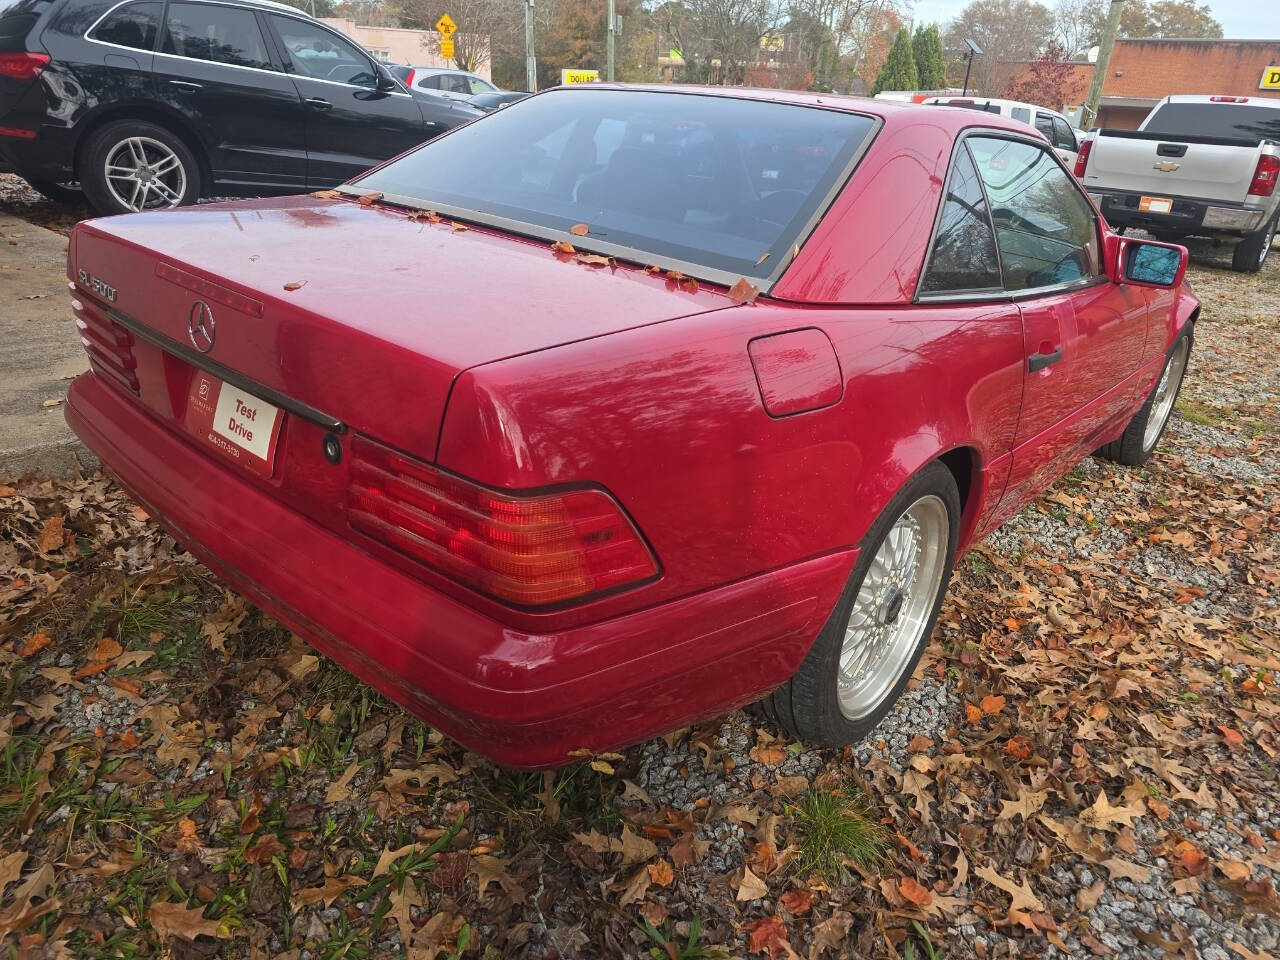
[(1044, 226), (1063, 137), (1021, 113), (133, 25), (964, 249), (431, 83), (315, 52), (457, 84), (218, 34), (479, 86)]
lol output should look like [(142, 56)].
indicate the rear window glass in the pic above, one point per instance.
[(19, 16), (133, 25), (1233, 121), (219, 34), (717, 182)]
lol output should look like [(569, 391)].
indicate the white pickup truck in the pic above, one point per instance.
[(1198, 165)]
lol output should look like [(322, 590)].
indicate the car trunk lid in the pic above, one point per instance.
[(361, 315)]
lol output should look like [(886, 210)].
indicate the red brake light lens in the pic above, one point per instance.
[(22, 66), (1082, 158), (1228, 99), (529, 551), (1264, 178), (408, 81)]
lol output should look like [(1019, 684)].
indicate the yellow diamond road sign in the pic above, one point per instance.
[(445, 26), (446, 48)]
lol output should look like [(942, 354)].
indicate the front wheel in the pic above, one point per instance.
[(864, 656), (133, 165), (1138, 442)]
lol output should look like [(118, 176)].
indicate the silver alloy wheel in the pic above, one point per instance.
[(142, 173), (1166, 393), (893, 606)]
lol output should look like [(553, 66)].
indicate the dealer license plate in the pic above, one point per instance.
[(240, 426), (1155, 205)]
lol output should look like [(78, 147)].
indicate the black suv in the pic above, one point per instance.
[(155, 103)]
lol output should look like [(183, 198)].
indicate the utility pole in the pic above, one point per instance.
[(1090, 112), (530, 60), (613, 27)]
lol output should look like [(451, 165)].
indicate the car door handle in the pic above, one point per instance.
[(320, 103), (187, 84), (1038, 361)]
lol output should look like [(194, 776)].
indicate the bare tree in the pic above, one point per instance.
[(718, 39), (483, 25), (1008, 31), (834, 31), (1078, 24)]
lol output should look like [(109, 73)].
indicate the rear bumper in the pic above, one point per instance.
[(1120, 207), (521, 699)]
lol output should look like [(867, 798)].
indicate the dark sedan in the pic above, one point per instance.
[(151, 104)]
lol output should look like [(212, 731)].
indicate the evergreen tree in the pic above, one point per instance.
[(931, 62), (899, 70)]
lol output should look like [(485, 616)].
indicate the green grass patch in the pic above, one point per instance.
[(834, 827), (1196, 412)]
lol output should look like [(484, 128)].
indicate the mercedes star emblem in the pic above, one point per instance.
[(200, 326)]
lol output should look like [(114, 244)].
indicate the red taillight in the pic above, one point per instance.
[(1082, 158), (531, 551), (22, 66), (1264, 178), (408, 81), (20, 132), (1228, 99), (109, 345)]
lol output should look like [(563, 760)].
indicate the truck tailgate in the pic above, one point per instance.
[(1136, 162)]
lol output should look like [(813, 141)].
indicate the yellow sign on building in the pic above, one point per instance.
[(1270, 79), (579, 76)]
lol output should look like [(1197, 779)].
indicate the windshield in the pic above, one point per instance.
[(1232, 121), (711, 181)]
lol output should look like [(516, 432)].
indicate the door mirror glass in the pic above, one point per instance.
[(1152, 264)]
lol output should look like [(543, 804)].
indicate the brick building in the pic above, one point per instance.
[(1142, 72)]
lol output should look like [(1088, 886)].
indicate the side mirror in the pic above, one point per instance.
[(384, 80), (1146, 263)]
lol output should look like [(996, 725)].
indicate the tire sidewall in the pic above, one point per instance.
[(104, 140), (820, 669)]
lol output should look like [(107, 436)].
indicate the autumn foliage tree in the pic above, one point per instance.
[(899, 70), (1046, 81)]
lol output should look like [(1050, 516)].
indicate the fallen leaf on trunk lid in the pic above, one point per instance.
[(579, 229), (369, 199), (743, 292), (326, 194), (563, 246), (459, 227), (295, 285), (1023, 899), (176, 920), (595, 260)]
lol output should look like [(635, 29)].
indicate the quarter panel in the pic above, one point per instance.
[(670, 420)]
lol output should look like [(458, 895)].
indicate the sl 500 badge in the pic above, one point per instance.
[(104, 290)]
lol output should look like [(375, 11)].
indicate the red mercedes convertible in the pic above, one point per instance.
[(624, 406)]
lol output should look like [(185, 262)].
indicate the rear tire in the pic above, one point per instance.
[(131, 165), (62, 193), (1251, 253), (1140, 438), (871, 643)]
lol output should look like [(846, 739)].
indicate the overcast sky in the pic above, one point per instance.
[(1240, 19)]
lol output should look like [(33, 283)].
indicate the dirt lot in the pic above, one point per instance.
[(1086, 763)]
